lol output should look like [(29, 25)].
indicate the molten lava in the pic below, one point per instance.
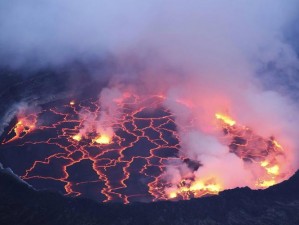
[(199, 188), (251, 147), (24, 126), (77, 137), (103, 139), (226, 119), (126, 164), (97, 163)]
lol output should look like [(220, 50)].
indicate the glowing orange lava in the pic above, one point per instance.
[(250, 147), (103, 139), (142, 143), (226, 119), (77, 137), (24, 126), (262, 151), (195, 189)]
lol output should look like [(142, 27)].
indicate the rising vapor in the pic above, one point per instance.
[(231, 58)]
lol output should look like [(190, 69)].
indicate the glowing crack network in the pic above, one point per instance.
[(120, 168), (46, 150)]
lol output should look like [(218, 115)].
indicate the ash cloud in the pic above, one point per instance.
[(204, 57)]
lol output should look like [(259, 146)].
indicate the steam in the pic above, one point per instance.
[(204, 57), (18, 110), (101, 122)]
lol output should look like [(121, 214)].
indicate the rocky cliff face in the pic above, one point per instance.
[(21, 204)]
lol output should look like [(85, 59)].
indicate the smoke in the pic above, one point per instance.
[(204, 57)]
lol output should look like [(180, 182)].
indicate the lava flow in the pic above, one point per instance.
[(250, 147), (126, 159)]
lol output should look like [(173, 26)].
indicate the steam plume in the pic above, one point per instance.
[(204, 57)]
